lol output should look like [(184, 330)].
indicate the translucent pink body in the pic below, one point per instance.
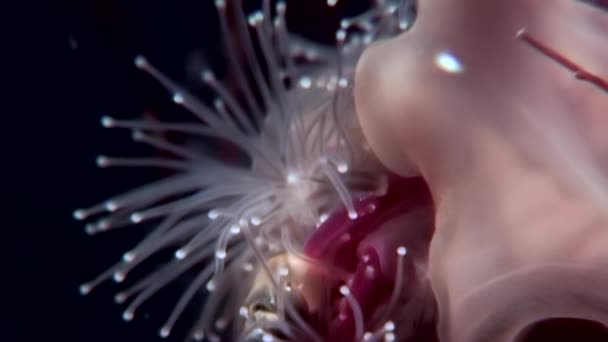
[(513, 148)]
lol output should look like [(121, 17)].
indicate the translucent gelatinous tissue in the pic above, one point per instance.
[(506, 121), (292, 118)]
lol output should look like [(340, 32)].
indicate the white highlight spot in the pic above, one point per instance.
[(248, 267), (305, 82), (235, 230), (140, 62), (267, 338), (344, 290), (342, 167), (84, 289), (256, 221), (119, 277), (256, 18), (107, 121), (128, 256), (210, 286), (352, 215), (213, 214), (448, 63), (332, 3), (292, 178), (164, 332), (120, 298), (220, 254), (283, 271), (340, 35), (111, 206), (102, 161), (136, 218), (343, 82), (389, 326), (79, 214), (208, 76), (127, 315), (178, 98), (402, 251), (244, 312), (198, 335), (180, 254)]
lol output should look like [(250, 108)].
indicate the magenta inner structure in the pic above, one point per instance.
[(372, 268)]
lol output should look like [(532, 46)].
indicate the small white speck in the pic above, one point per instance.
[(220, 254), (136, 217), (180, 254), (120, 298), (344, 290), (305, 82), (128, 256), (448, 63), (140, 61), (79, 214), (84, 289), (198, 335), (235, 229), (107, 121), (127, 315), (111, 206), (213, 214), (165, 332), (208, 76), (90, 229), (340, 36), (402, 251), (178, 98), (102, 161), (103, 225), (292, 178), (389, 326), (210, 286), (119, 277)]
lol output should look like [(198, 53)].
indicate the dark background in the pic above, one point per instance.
[(70, 62)]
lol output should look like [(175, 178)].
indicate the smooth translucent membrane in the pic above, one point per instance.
[(508, 127)]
